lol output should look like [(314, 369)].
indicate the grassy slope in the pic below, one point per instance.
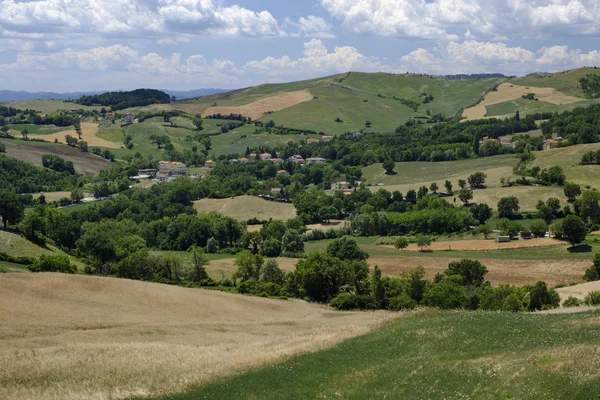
[(345, 100), (48, 106), (436, 354), (245, 207), (411, 175), (565, 81), (526, 107), (37, 129)]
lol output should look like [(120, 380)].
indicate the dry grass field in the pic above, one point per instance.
[(258, 108), (85, 163), (507, 91), (578, 291), (89, 131), (514, 272), (485, 245), (81, 337), (224, 268), (245, 207)]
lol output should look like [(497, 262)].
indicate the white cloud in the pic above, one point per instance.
[(134, 17), (311, 26), (317, 59), (476, 57), (441, 19)]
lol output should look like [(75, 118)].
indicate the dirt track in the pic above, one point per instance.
[(516, 272), (89, 131), (85, 163), (507, 91), (257, 109)]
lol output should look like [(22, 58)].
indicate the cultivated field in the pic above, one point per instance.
[(508, 91), (243, 208), (85, 163), (258, 108), (89, 130), (514, 272), (81, 337), (485, 245), (439, 355)]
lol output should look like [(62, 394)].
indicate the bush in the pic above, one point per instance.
[(542, 298), (53, 263), (351, 301), (402, 302), (592, 299), (445, 294), (572, 302)]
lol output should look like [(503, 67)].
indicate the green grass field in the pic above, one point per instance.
[(565, 81), (37, 129), (49, 106), (526, 107), (438, 355), (112, 135), (11, 267), (356, 99)]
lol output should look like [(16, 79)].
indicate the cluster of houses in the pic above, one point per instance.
[(296, 159), (110, 117)]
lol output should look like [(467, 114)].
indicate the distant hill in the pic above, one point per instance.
[(14, 96)]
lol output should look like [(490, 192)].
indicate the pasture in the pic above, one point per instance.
[(244, 208), (565, 81), (79, 337), (49, 106), (30, 151), (438, 355), (89, 131)]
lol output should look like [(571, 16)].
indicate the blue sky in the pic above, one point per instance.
[(76, 45)]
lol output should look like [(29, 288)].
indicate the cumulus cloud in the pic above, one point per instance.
[(202, 17), (475, 57), (315, 27), (444, 19), (317, 59)]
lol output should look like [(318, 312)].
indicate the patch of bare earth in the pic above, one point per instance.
[(85, 163), (88, 130), (507, 91), (82, 337), (258, 108), (515, 272), (578, 291), (482, 245)]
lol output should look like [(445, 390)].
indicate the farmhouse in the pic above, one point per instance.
[(282, 172), (128, 119), (340, 186), (265, 156), (297, 159), (552, 143), (503, 239), (210, 164), (168, 169)]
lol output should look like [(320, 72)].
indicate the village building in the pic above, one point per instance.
[(312, 140), (171, 169), (265, 156), (210, 164), (298, 159), (340, 186), (315, 160)]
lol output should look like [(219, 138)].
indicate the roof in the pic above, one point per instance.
[(282, 171)]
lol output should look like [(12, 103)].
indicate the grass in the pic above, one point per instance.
[(526, 107), (112, 135), (49, 106), (435, 354), (12, 267), (565, 81), (84, 337), (16, 245), (412, 175), (37, 129), (345, 100), (244, 208)]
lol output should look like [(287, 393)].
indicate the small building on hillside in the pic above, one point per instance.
[(326, 138), (276, 160), (503, 239), (282, 172), (109, 117), (128, 119), (168, 169), (210, 164), (297, 159), (243, 160), (312, 140), (265, 156), (552, 143), (340, 186), (252, 156)]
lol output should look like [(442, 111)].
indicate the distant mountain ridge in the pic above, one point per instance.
[(11, 95)]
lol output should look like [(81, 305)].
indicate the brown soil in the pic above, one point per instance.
[(89, 131), (258, 108), (507, 91), (477, 245), (83, 337), (85, 163), (515, 272)]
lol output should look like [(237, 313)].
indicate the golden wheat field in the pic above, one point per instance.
[(83, 337)]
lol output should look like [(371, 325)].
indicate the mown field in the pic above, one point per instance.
[(412, 175), (244, 208), (438, 355), (565, 81), (48, 106)]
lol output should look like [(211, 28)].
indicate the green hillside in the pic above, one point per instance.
[(565, 81), (438, 355), (358, 97)]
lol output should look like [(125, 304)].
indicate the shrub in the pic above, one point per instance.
[(572, 302), (592, 299), (446, 294), (351, 301), (53, 263), (402, 302), (541, 297)]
